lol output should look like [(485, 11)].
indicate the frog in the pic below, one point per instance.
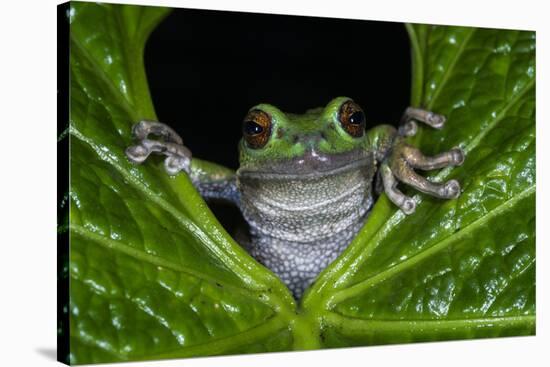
[(306, 183)]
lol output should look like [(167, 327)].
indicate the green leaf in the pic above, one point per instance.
[(154, 275), (462, 268)]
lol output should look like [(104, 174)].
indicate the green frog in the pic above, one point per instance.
[(306, 182)]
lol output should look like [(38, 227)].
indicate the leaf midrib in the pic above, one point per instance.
[(154, 260), (451, 67), (359, 326)]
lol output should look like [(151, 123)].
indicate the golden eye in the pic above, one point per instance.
[(257, 128), (352, 118)]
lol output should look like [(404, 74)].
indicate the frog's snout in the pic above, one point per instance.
[(309, 140), (313, 160)]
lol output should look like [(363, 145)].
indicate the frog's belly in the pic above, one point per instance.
[(305, 210), (299, 226), (298, 263)]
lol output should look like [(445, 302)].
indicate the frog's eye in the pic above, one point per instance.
[(352, 118), (257, 128)]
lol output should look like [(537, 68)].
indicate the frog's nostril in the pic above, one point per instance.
[(308, 139)]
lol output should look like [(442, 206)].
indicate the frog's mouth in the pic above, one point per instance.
[(312, 164)]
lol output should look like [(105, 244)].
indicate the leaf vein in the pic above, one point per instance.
[(396, 269), (151, 259), (356, 326), (450, 68)]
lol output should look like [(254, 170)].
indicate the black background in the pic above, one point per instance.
[(63, 160), (207, 68)]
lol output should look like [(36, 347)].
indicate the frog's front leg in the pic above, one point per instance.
[(399, 159), (178, 157), (211, 180)]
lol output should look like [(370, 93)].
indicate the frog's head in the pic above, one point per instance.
[(320, 140)]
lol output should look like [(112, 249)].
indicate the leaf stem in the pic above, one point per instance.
[(305, 332), (417, 61)]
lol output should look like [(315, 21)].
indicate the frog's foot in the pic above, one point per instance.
[(404, 202), (400, 168), (178, 156), (428, 117)]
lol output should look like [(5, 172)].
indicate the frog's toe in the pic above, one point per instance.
[(173, 164), (178, 156), (409, 129), (428, 117), (451, 189), (435, 120), (137, 153), (408, 206), (140, 130), (457, 155), (144, 128), (405, 203), (416, 159)]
